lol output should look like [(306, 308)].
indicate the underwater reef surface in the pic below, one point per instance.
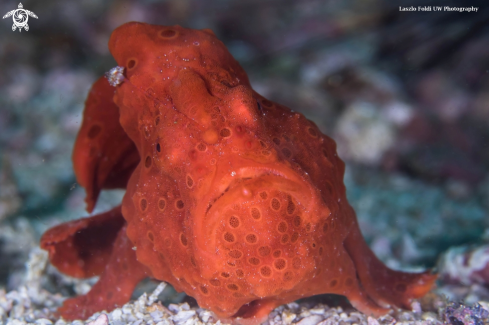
[(31, 303), (405, 97)]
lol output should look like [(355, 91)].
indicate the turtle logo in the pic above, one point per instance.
[(20, 17)]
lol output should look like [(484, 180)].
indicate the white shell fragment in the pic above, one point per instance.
[(101, 320), (115, 76)]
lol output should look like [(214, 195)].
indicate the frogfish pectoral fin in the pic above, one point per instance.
[(82, 247), (387, 288), (114, 288)]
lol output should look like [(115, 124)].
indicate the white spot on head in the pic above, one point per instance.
[(246, 192)]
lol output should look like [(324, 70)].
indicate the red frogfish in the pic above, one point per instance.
[(234, 199)]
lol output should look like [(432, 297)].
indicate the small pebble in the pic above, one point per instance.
[(132, 318), (430, 316), (311, 320), (288, 317), (157, 315), (127, 309), (139, 315), (101, 320), (317, 311), (165, 322), (204, 315), (116, 314), (183, 316), (118, 322), (174, 308), (372, 321)]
